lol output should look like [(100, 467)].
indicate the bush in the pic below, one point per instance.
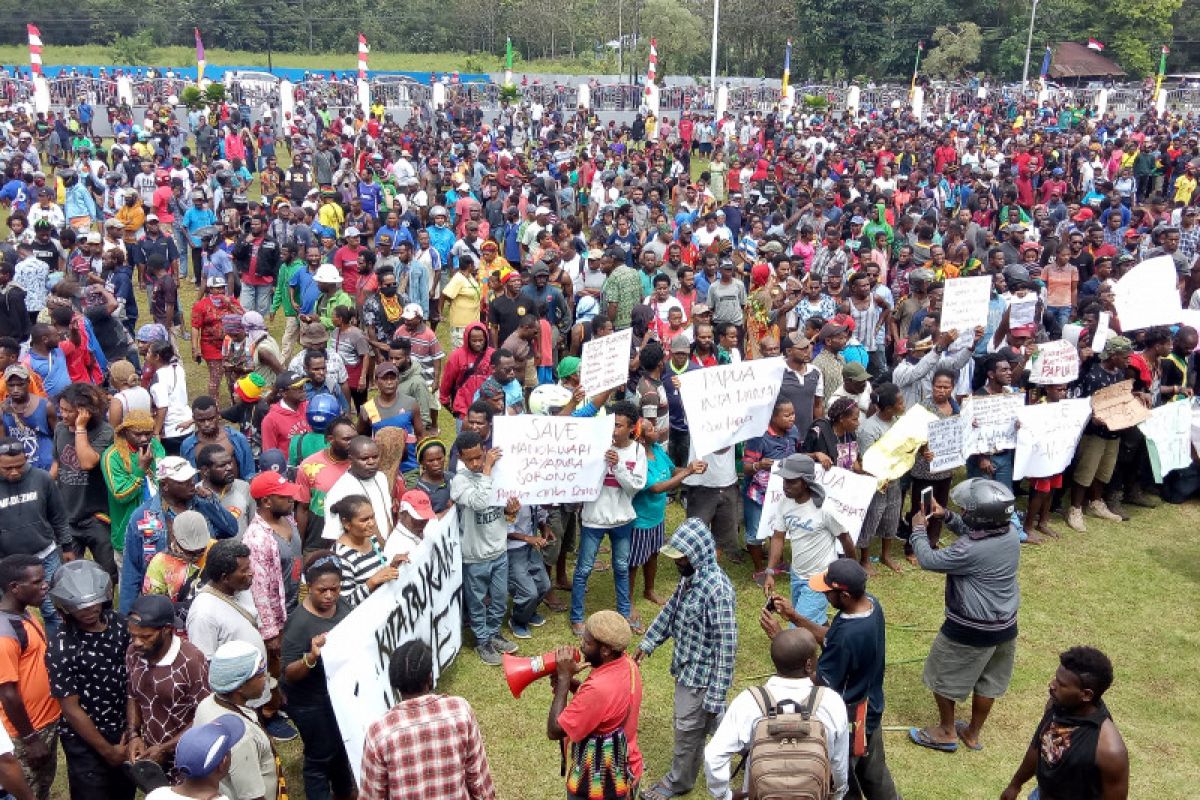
[(137, 50), (191, 97), (215, 93), (815, 102)]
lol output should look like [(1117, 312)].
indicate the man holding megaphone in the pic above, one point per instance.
[(601, 720)]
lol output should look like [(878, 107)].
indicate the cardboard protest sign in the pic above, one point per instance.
[(1147, 295), (893, 455), (604, 362), (1168, 437), (731, 403), (550, 459), (1054, 362), (847, 497), (965, 303), (424, 602), (990, 422), (1117, 408), (946, 442), (1047, 436)]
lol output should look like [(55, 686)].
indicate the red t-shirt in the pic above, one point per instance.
[(602, 705), (346, 260)]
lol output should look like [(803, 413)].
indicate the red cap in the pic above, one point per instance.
[(270, 483), (1083, 215), (845, 320), (416, 502)]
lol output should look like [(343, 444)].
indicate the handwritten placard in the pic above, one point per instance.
[(990, 423), (550, 459), (1047, 437), (1117, 408), (1022, 310), (605, 362), (1147, 295), (946, 443), (893, 455), (847, 497), (731, 403), (1054, 363), (965, 303), (1168, 438)]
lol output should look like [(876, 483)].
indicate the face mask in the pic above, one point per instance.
[(389, 291)]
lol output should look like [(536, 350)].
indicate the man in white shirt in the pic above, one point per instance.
[(794, 654), (365, 478)]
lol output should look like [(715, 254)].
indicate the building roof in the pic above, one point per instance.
[(1073, 60)]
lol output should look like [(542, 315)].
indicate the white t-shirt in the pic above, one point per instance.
[(663, 308), (813, 534), (374, 489), (169, 391), (167, 793)]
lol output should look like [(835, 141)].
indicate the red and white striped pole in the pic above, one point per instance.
[(35, 49), (363, 52), (652, 68)]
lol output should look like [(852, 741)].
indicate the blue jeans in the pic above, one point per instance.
[(257, 298), (810, 604), (1002, 461), (1061, 313), (752, 516), (50, 616), (528, 582), (485, 585), (589, 543)]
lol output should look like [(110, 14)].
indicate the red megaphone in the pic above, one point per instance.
[(520, 672)]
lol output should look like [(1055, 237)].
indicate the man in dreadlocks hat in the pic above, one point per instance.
[(125, 464)]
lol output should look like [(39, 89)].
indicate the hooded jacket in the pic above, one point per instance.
[(482, 525), (459, 382), (32, 515), (701, 617)]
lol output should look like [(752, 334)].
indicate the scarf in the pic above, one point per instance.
[(391, 307)]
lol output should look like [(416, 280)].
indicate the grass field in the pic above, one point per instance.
[(98, 55), (1130, 589)]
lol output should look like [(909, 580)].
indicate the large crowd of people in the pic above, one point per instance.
[(370, 294)]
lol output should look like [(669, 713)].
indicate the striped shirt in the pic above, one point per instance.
[(357, 568)]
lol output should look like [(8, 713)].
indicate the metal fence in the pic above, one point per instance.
[(398, 93)]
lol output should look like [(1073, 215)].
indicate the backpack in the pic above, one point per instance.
[(788, 758)]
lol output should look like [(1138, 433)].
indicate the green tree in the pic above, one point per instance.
[(958, 47), (682, 42), (137, 49)]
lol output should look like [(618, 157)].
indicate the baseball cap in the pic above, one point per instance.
[(153, 611), (412, 311), (416, 503), (174, 468), (540, 210), (797, 339), (152, 218), (203, 748), (568, 367), (94, 238), (680, 344), (215, 282), (854, 371), (1083, 215), (269, 483), (802, 467), (16, 371), (843, 575), (700, 308), (385, 368), (289, 379), (1132, 233), (831, 329), (327, 273), (190, 531), (351, 232), (313, 334)]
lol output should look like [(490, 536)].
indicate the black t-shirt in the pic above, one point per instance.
[(302, 627), (83, 491), (852, 660), (91, 666), (506, 312), (48, 252)]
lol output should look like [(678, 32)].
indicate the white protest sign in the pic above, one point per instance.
[(1147, 295), (550, 459), (847, 497), (731, 403), (1100, 337), (1196, 429), (1022, 310), (990, 422), (1070, 333), (946, 442), (965, 303), (894, 453), (605, 362), (1168, 434), (424, 602), (1047, 437), (1054, 362)]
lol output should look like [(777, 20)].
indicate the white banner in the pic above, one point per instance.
[(946, 442), (965, 303), (1147, 295), (847, 496), (1168, 435), (548, 460), (425, 603), (1054, 363), (990, 422), (729, 404), (1047, 436), (604, 363)]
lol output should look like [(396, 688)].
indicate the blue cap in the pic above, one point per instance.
[(202, 749), (274, 460)]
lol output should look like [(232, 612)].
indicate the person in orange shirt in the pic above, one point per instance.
[(10, 352), (31, 714)]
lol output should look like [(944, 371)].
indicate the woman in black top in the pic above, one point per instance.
[(326, 766), (831, 440)]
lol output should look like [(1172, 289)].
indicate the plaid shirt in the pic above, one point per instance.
[(428, 747), (1189, 241), (701, 618)]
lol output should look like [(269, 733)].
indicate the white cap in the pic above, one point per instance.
[(327, 273), (412, 311), (351, 232), (152, 218), (421, 199), (215, 282), (438, 211), (464, 187), (537, 212)]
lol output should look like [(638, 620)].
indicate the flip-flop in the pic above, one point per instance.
[(658, 792), (960, 727), (921, 738), (636, 625)]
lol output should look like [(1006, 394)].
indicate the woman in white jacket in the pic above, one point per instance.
[(612, 513)]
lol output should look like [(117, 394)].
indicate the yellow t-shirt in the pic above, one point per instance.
[(465, 296), (1185, 187), (331, 216)]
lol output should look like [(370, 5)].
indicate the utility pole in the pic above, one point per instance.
[(1028, 47), (712, 67)]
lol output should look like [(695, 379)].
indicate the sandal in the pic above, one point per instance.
[(658, 792), (960, 727), (636, 625), (921, 737)]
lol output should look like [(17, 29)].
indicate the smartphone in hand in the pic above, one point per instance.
[(927, 500)]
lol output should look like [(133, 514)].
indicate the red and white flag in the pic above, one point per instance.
[(35, 49), (1095, 44), (652, 67), (363, 52)]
